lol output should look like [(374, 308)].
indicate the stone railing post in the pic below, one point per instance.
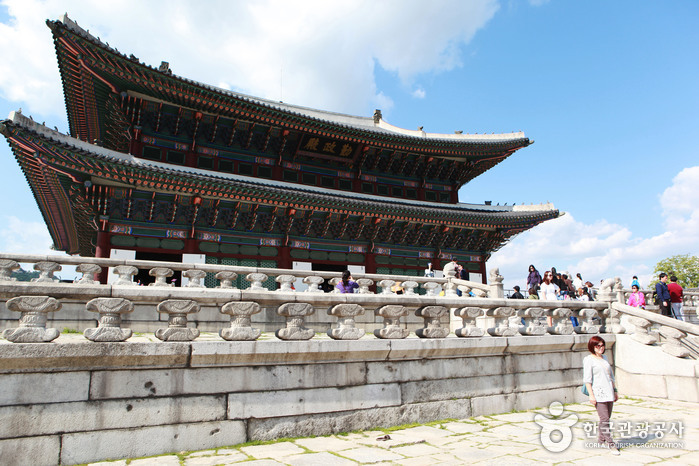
[(109, 327), (286, 283), (240, 329), (465, 290), (195, 277), (673, 346), (640, 330), (386, 286), (561, 322), (32, 323), (334, 282), (364, 284), (533, 317), (46, 270), (89, 271), (496, 286), (161, 275), (125, 274), (468, 316), (409, 287), (346, 330), (7, 266), (256, 279), (432, 288), (502, 322), (587, 323), (226, 279), (313, 283), (450, 288), (177, 310), (612, 321), (295, 314), (433, 327), (391, 314)]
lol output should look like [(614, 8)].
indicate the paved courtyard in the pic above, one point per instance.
[(651, 431)]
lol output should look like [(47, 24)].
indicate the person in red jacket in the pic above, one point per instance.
[(676, 295)]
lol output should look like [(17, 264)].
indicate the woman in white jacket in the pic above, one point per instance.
[(599, 380)]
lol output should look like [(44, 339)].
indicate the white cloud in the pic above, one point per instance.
[(602, 249), (419, 93), (313, 52)]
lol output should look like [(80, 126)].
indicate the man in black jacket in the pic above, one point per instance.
[(663, 295)]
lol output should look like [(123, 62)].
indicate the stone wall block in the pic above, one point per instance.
[(46, 270), (125, 274), (177, 310), (561, 322), (34, 451), (391, 322), (88, 447), (110, 310), (347, 329), (7, 266), (588, 323), (226, 278), (468, 316), (161, 275), (89, 271), (195, 277), (295, 314), (32, 323), (33, 388), (240, 329), (459, 388), (534, 320), (433, 326), (502, 322)]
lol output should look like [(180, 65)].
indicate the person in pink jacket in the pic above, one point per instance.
[(636, 299)]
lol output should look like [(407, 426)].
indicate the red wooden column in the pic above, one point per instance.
[(284, 258), (481, 270), (370, 264), (103, 250)]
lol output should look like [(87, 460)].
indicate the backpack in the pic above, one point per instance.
[(656, 300)]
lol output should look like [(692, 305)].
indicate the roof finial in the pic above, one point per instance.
[(377, 116)]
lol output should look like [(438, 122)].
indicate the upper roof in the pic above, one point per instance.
[(78, 51)]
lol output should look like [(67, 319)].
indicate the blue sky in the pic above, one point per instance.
[(607, 90)]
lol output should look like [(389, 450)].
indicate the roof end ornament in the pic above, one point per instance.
[(377, 116)]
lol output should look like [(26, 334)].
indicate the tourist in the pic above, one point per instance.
[(636, 298), (548, 291), (428, 271), (347, 284), (590, 290), (568, 286), (634, 281), (534, 278), (534, 292), (599, 380), (676, 295), (517, 294), (662, 295), (581, 294), (578, 281)]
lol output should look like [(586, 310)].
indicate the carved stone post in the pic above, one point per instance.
[(256, 280), (7, 266), (32, 323), (125, 274), (391, 322), (496, 284), (532, 317), (502, 322), (433, 327), (334, 282), (468, 316), (295, 314), (286, 283), (46, 270), (409, 287), (612, 321), (364, 284), (640, 330), (432, 288), (465, 290), (561, 322), (313, 283), (226, 278), (673, 346), (386, 286), (89, 271), (177, 310), (586, 319), (240, 329), (195, 277), (109, 327), (347, 330), (161, 275)]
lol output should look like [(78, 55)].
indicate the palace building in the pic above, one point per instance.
[(161, 167)]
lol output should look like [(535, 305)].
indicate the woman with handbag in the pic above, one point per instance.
[(598, 380)]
